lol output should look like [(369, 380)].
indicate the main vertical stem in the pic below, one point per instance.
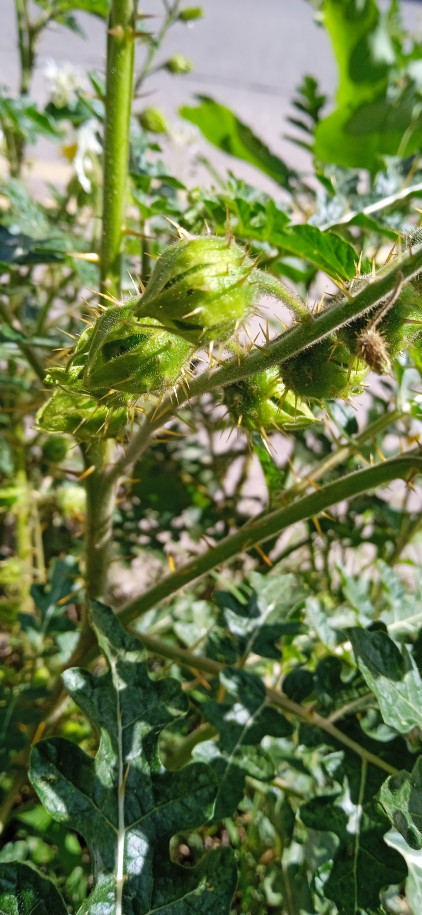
[(120, 56), (101, 494)]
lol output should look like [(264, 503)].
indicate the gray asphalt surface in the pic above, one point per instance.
[(248, 55)]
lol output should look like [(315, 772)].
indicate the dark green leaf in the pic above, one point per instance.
[(392, 677), (242, 719), (24, 891), (326, 250), (17, 248), (123, 802), (363, 864)]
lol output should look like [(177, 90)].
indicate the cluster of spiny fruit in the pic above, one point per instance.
[(201, 291)]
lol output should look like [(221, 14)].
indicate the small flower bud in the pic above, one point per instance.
[(190, 13), (178, 64), (153, 119)]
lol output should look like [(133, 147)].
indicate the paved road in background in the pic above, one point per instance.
[(248, 55)]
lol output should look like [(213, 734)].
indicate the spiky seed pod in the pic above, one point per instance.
[(372, 348), (203, 287), (123, 354), (323, 371), (261, 404), (388, 331), (80, 416), (134, 356)]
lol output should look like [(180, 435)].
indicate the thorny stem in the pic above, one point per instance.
[(23, 526), (289, 344), (101, 497), (271, 525)]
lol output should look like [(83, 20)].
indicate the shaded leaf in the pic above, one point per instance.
[(123, 802), (243, 719), (23, 891), (18, 248), (413, 885), (362, 864)]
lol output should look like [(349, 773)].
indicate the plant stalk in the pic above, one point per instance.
[(271, 525), (120, 56)]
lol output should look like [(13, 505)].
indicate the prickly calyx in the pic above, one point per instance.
[(323, 371), (204, 287), (124, 355)]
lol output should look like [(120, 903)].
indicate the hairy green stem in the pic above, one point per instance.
[(101, 500), (271, 525), (120, 56)]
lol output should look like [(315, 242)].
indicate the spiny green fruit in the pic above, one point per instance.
[(123, 355), (132, 355), (80, 416), (386, 332), (261, 404), (323, 371), (203, 287), (69, 376)]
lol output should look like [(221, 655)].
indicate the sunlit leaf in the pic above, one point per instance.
[(123, 802)]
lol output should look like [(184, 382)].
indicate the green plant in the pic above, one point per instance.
[(251, 714)]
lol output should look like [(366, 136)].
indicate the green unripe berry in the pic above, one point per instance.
[(261, 404), (178, 64), (323, 371), (123, 356), (55, 449), (203, 287)]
